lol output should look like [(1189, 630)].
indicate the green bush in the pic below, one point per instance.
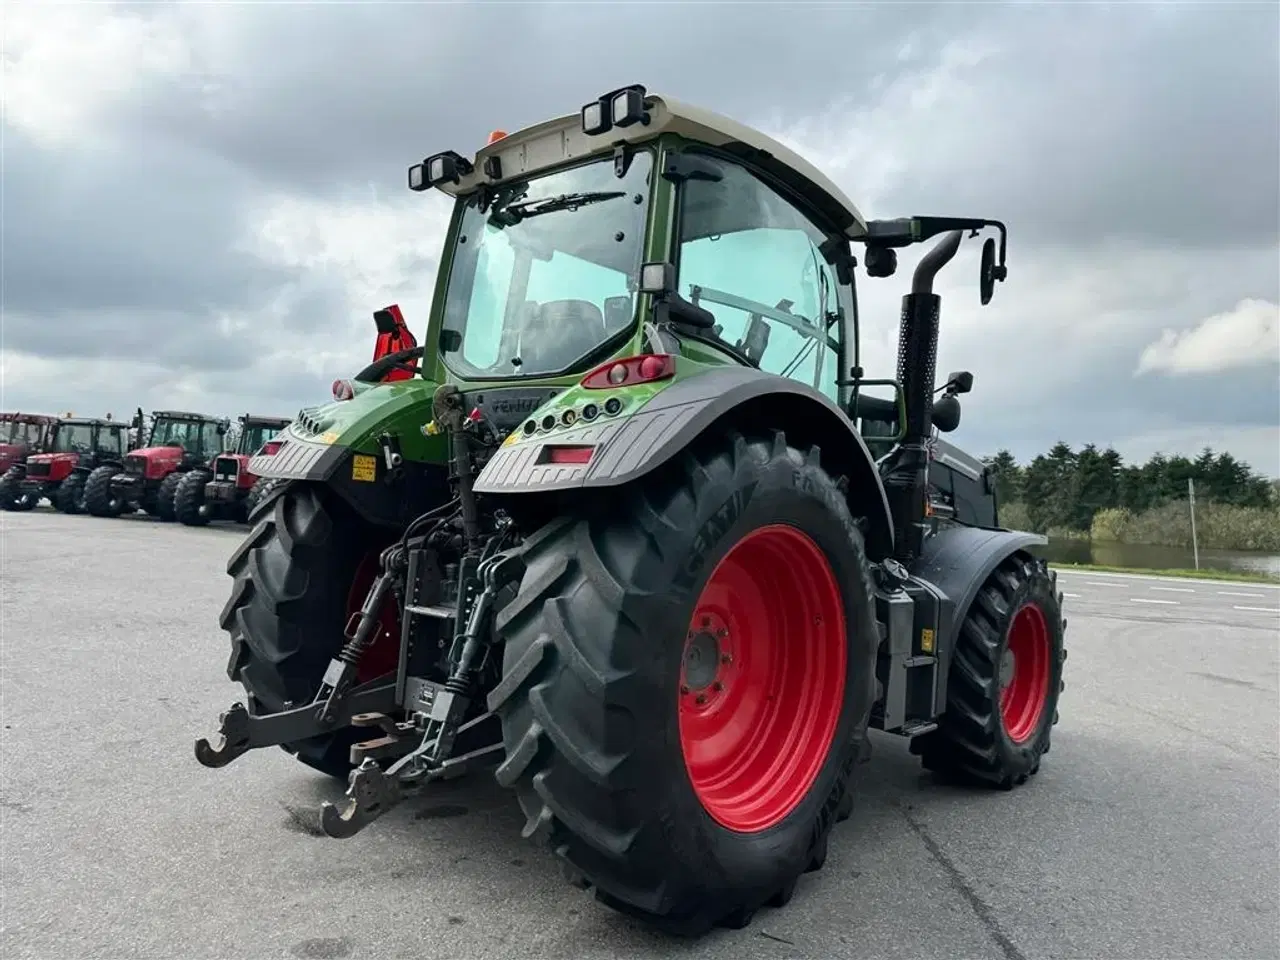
[(1218, 526), (1014, 516)]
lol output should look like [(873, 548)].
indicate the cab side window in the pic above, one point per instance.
[(752, 258)]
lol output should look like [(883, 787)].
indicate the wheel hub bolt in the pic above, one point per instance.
[(726, 658), (684, 689), (702, 698), (717, 686)]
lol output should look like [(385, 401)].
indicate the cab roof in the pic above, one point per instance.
[(553, 142), (184, 415), (29, 417), (255, 419)]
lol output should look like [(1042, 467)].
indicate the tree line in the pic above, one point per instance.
[(1064, 489)]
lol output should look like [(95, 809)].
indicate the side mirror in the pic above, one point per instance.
[(987, 276), (961, 381)]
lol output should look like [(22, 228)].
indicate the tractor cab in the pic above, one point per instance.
[(75, 446), (189, 438), (229, 489), (22, 434)]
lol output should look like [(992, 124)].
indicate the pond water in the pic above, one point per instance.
[(1141, 556)]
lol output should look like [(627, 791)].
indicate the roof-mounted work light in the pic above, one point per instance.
[(618, 108), (447, 167)]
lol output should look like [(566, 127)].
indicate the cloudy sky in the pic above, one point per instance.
[(202, 204)]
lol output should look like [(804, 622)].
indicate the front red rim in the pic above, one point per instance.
[(384, 654), (762, 679), (1024, 673)]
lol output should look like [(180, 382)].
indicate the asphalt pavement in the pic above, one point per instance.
[(1150, 831)]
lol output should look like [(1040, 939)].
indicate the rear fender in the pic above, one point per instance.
[(956, 562), (627, 448)]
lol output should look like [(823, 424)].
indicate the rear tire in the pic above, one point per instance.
[(99, 500), (188, 498), (288, 608), (164, 506), (606, 751), (70, 496), (986, 737)]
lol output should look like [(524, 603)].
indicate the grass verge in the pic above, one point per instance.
[(1237, 576)]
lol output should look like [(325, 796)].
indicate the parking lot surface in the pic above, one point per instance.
[(1150, 831)]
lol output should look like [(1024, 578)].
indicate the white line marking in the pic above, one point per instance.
[(1095, 583), (1233, 593), (1148, 600), (1105, 574), (1174, 589), (1073, 596), (1259, 609)]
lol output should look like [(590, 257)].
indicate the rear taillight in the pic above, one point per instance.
[(630, 371), (566, 454), (271, 448), (343, 390)]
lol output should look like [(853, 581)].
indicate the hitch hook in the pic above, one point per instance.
[(371, 794), (232, 736)]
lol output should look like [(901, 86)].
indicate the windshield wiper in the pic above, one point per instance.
[(513, 214)]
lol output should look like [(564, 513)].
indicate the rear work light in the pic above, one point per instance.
[(630, 371), (343, 390)]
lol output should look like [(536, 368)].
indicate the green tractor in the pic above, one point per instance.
[(621, 535)]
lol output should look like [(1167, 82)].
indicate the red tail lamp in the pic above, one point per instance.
[(343, 390), (497, 135), (630, 371), (271, 448), (567, 454)]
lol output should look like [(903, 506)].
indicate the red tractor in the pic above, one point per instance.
[(230, 490), (179, 442), (22, 434), (77, 447)]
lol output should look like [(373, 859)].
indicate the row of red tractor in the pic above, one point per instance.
[(181, 467)]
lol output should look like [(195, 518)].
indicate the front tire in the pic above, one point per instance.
[(737, 585), (188, 499), (289, 605), (70, 496), (99, 500), (165, 493), (1005, 680), (11, 487)]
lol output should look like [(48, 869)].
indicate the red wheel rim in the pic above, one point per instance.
[(1024, 673), (384, 655), (762, 679)]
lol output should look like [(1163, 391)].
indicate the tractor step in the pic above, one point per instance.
[(436, 611), (918, 728)]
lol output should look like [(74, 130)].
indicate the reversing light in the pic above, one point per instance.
[(343, 390), (630, 371)]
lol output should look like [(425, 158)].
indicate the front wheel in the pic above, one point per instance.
[(688, 676), (189, 507), (70, 496), (99, 499), (165, 493), (1005, 679), (12, 496)]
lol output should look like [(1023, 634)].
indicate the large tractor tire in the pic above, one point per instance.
[(99, 499), (299, 574), (188, 499), (163, 507), (689, 670), (70, 495), (12, 496), (1004, 682)]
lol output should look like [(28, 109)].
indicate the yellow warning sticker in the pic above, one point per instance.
[(926, 640), (330, 436), (364, 467)]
